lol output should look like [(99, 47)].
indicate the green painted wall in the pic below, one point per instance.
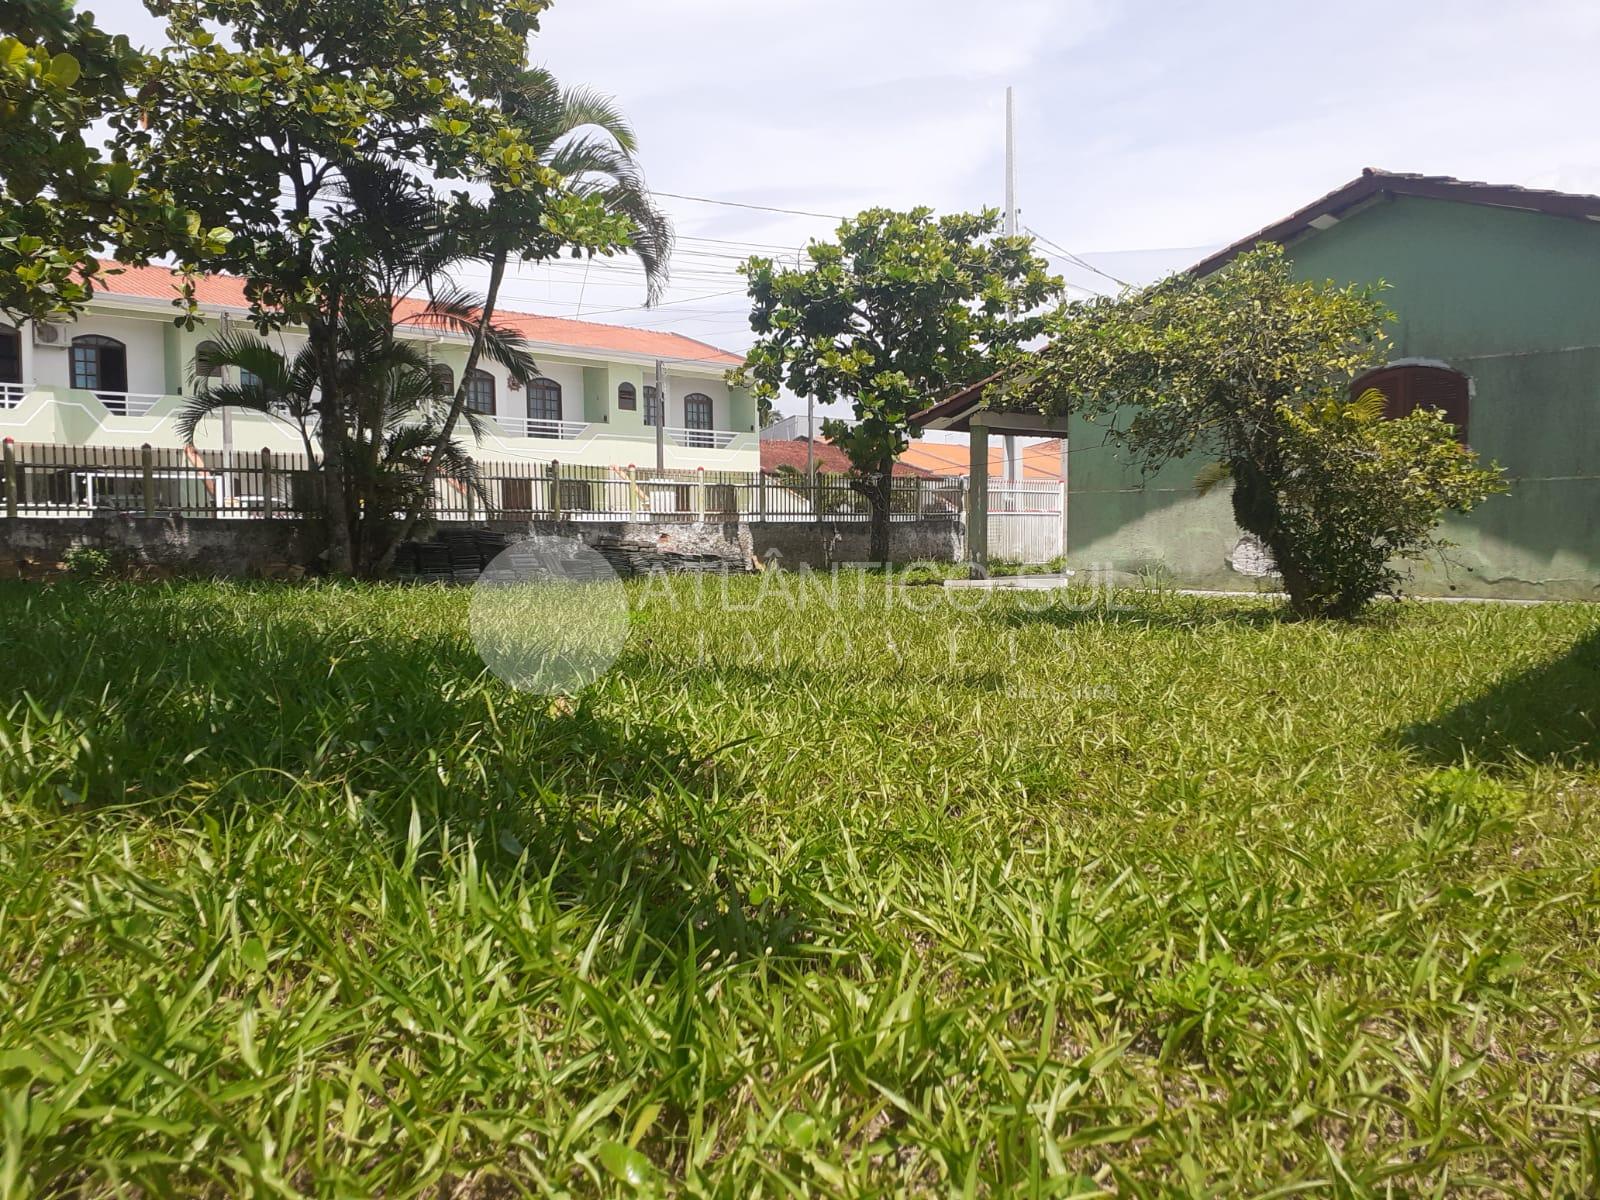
[(1510, 299), (741, 410)]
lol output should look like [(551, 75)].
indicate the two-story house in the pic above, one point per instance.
[(118, 375)]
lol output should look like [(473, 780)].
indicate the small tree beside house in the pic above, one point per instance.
[(1249, 371), (902, 309)]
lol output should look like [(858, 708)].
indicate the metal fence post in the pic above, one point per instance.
[(700, 494), (761, 493), (11, 479), (147, 478), (268, 487), (633, 494), (472, 497), (555, 490)]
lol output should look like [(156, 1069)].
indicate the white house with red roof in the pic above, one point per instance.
[(119, 374)]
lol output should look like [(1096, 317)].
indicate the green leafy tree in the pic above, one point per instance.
[(902, 309), (62, 201), (266, 117), (1253, 369)]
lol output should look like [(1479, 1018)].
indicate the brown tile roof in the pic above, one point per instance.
[(830, 460), (1374, 182), (160, 283)]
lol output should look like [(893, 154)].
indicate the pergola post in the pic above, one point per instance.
[(978, 501)]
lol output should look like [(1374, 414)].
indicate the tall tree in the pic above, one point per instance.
[(264, 128), (583, 136), (897, 312), (1252, 369), (63, 201), (387, 238)]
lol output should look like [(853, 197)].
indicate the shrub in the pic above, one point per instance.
[(87, 562)]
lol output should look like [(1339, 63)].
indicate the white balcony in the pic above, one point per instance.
[(128, 404), (702, 439), (11, 394), (530, 427)]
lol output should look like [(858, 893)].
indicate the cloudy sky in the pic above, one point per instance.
[(1148, 130)]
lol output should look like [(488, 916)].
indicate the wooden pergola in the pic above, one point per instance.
[(977, 411)]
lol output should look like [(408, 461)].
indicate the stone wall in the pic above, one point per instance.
[(174, 545), (820, 545), (32, 547)]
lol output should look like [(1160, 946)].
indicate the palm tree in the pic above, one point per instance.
[(395, 402), (583, 136)]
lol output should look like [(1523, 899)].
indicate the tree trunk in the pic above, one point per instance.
[(1256, 511), (879, 491), (383, 562), (330, 409)]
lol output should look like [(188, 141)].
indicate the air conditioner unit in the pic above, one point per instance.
[(46, 334)]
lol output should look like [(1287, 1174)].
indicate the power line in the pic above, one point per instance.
[(792, 212), (1075, 259)]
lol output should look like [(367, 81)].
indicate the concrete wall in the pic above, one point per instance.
[(35, 546), (1505, 297), (791, 543)]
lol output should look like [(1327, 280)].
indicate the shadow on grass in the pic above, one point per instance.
[(1155, 612), (1550, 713), (196, 704)]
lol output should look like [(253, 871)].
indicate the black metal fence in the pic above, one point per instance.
[(73, 481)]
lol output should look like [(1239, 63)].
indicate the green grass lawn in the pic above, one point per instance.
[(884, 898)]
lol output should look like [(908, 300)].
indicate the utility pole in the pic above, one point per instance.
[(661, 415), (811, 454), (1011, 163), (1012, 473)]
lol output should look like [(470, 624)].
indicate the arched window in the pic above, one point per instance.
[(697, 416), (10, 355), (480, 392), (1408, 387), (652, 406), (627, 397), (444, 380), (206, 367), (544, 400), (99, 364)]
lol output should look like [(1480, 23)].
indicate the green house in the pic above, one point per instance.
[(1497, 296)]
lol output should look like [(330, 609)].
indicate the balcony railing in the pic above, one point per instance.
[(11, 394), (702, 439), (128, 404), (532, 427)]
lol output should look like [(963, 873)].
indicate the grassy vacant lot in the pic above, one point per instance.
[(1179, 900)]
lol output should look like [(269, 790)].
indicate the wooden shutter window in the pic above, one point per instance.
[(1409, 388)]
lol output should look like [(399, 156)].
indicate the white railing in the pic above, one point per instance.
[(127, 404), (11, 394), (531, 427), (702, 439)]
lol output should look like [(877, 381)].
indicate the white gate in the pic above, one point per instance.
[(1025, 524)]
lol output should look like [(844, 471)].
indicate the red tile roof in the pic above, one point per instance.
[(160, 283), (830, 460), (1041, 460), (1374, 182)]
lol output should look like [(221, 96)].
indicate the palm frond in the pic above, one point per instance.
[(584, 106), (1370, 406), (216, 398)]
